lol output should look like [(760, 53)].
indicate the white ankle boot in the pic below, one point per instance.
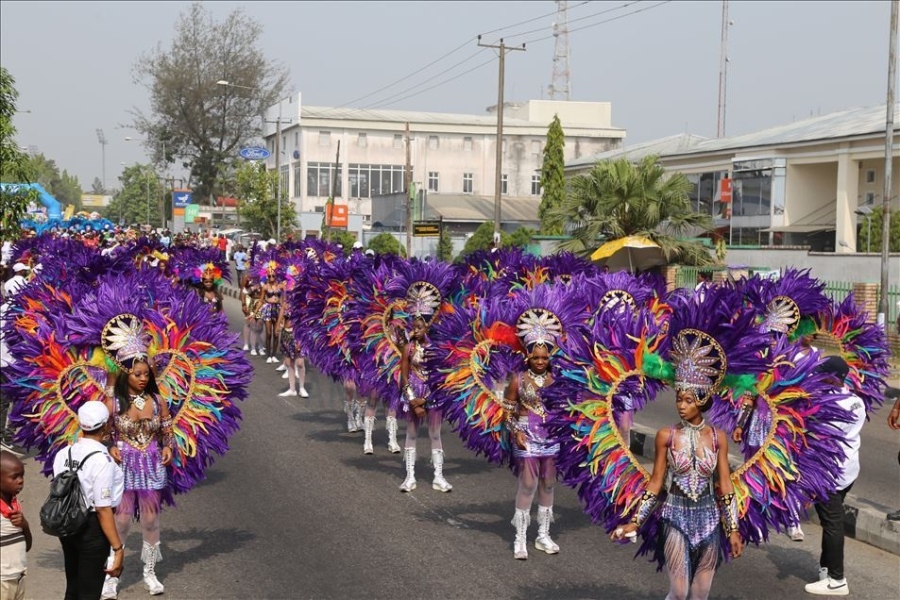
[(150, 555), (543, 541), (440, 484), (393, 446), (350, 409), (520, 521), (110, 584), (409, 457), (369, 427), (360, 415)]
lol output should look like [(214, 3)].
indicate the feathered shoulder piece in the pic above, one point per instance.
[(185, 260), (862, 344), (785, 303), (423, 286), (563, 266)]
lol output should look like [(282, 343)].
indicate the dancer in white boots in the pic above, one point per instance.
[(351, 408), (533, 451), (423, 302), (369, 424), (290, 349)]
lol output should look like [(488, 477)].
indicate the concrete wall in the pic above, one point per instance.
[(810, 189), (850, 267)]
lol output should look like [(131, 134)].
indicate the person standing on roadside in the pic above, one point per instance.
[(15, 534), (894, 423), (831, 509), (240, 264)]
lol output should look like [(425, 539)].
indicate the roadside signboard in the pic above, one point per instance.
[(336, 215), (427, 229), (254, 153), (181, 198)]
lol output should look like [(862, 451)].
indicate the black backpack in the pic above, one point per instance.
[(64, 512)]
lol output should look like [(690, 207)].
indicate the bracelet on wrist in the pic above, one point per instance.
[(119, 549)]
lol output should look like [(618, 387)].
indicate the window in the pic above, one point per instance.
[(297, 140), (398, 140), (324, 138), (319, 180), (298, 179), (467, 143), (433, 142), (468, 185), (870, 197), (284, 180), (504, 184), (535, 185), (362, 140), (270, 146), (870, 175), (432, 181), (370, 180), (503, 147), (283, 142), (536, 147)]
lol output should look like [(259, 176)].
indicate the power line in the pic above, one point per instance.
[(590, 16), (610, 20), (447, 55), (439, 84)]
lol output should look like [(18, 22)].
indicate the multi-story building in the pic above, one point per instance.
[(450, 154)]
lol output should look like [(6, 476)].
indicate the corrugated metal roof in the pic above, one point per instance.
[(845, 123), (404, 116), (842, 124), (477, 209), (636, 152)]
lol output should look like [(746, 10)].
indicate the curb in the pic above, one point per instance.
[(864, 521)]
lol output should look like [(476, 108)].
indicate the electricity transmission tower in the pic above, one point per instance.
[(560, 87)]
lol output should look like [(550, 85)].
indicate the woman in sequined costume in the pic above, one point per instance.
[(269, 306), (694, 453), (142, 436), (210, 292), (250, 294), (533, 451), (415, 402), (295, 365)]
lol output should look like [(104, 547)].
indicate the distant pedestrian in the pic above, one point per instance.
[(831, 510), (892, 393), (15, 534), (240, 263)]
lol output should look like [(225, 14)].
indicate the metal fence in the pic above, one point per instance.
[(838, 290)]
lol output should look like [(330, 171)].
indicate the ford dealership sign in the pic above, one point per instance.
[(254, 153)]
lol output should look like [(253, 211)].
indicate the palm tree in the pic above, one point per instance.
[(619, 198)]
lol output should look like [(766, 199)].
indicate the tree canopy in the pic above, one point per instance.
[(385, 243), (874, 228), (62, 186), (619, 198), (553, 181), (137, 199), (257, 206), (14, 164), (192, 118)]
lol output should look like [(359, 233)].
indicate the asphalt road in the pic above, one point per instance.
[(295, 510)]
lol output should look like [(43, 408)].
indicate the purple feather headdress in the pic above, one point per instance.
[(782, 304)]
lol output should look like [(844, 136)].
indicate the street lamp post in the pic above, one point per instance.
[(866, 211)]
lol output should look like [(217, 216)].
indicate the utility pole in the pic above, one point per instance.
[(408, 182), (888, 167), (723, 71), (278, 173), (499, 166)]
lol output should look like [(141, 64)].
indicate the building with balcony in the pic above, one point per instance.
[(808, 183), (360, 154)]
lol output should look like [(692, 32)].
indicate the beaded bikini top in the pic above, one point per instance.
[(417, 360), (138, 432), (691, 463), (530, 396)]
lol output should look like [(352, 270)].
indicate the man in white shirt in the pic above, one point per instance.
[(18, 280), (831, 511)]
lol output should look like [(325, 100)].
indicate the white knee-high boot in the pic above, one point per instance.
[(368, 426), (350, 411), (409, 456), (543, 541), (150, 555), (393, 446), (440, 484), (520, 521)]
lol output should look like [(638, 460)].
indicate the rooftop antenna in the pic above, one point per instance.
[(723, 69), (561, 86)]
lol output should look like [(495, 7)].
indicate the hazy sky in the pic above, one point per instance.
[(73, 61)]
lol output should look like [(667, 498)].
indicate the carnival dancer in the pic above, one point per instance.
[(295, 365), (250, 295), (143, 441), (534, 449), (209, 286), (268, 307), (424, 302)]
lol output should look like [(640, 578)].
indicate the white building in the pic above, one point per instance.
[(450, 154)]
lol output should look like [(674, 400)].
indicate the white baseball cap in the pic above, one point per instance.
[(20, 267), (357, 244), (92, 415)]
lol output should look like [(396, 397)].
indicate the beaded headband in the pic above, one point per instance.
[(700, 363), (123, 339)]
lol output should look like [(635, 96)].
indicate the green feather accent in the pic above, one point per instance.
[(741, 384), (654, 366), (806, 326)]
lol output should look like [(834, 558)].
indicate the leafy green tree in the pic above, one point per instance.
[(521, 237), (62, 186), (14, 164), (344, 238), (553, 181), (385, 243), (445, 246), (875, 225), (255, 189), (137, 198), (192, 118), (619, 198), (482, 239)]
